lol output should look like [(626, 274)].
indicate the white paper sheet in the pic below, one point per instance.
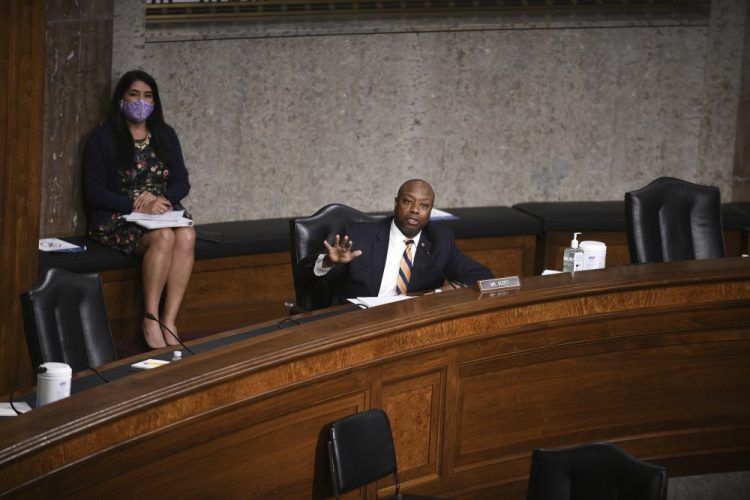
[(438, 214), (378, 301), (7, 411), (158, 224), (174, 215)]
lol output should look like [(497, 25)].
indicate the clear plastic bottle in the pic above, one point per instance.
[(573, 256)]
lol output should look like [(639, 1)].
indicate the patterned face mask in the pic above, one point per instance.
[(136, 111)]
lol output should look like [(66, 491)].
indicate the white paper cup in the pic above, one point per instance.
[(594, 254), (53, 383)]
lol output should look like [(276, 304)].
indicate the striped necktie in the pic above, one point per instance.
[(404, 273)]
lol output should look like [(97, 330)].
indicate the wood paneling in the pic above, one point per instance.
[(650, 357), (504, 256), (414, 406), (21, 111), (222, 294)]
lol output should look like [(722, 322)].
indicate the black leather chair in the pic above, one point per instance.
[(671, 219), (361, 451), (65, 320), (597, 471), (307, 235)]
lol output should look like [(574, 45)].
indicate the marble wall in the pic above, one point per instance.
[(76, 94), (723, 71), (280, 126)]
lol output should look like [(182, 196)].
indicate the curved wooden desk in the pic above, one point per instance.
[(652, 357)]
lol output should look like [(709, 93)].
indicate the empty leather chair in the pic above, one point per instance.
[(361, 451), (65, 320), (597, 471), (671, 219), (307, 235)]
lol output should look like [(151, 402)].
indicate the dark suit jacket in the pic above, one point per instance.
[(437, 258)]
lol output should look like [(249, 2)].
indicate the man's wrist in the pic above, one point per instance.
[(319, 269)]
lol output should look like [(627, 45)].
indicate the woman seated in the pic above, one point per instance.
[(133, 163)]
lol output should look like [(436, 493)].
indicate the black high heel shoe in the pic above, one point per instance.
[(145, 337)]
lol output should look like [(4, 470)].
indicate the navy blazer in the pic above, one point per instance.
[(436, 260)]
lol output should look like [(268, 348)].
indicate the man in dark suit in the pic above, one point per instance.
[(400, 254)]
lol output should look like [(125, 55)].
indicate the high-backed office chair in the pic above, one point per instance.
[(65, 320), (361, 451), (307, 235), (598, 471), (671, 219)]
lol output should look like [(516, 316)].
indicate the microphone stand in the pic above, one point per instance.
[(81, 363)]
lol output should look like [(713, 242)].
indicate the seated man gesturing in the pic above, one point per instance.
[(400, 254)]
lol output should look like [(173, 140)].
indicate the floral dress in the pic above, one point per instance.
[(148, 175)]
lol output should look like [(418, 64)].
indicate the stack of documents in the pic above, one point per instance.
[(156, 221), (6, 410), (58, 245), (438, 214)]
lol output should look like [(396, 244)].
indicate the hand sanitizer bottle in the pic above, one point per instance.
[(573, 256)]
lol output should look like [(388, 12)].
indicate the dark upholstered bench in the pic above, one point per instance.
[(244, 276), (600, 221), (217, 240), (489, 222)]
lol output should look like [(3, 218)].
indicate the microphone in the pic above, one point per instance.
[(458, 284), (84, 365), (164, 327), (291, 320)]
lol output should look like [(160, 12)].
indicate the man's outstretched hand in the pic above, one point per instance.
[(340, 252)]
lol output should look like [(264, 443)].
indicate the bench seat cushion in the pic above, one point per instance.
[(96, 258), (488, 222), (246, 237), (740, 209), (586, 216), (583, 216), (232, 239)]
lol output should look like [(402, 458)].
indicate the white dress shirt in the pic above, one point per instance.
[(396, 248)]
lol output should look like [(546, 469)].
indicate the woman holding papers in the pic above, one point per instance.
[(133, 163)]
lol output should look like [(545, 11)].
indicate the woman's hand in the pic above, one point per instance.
[(149, 203), (142, 200), (159, 205)]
